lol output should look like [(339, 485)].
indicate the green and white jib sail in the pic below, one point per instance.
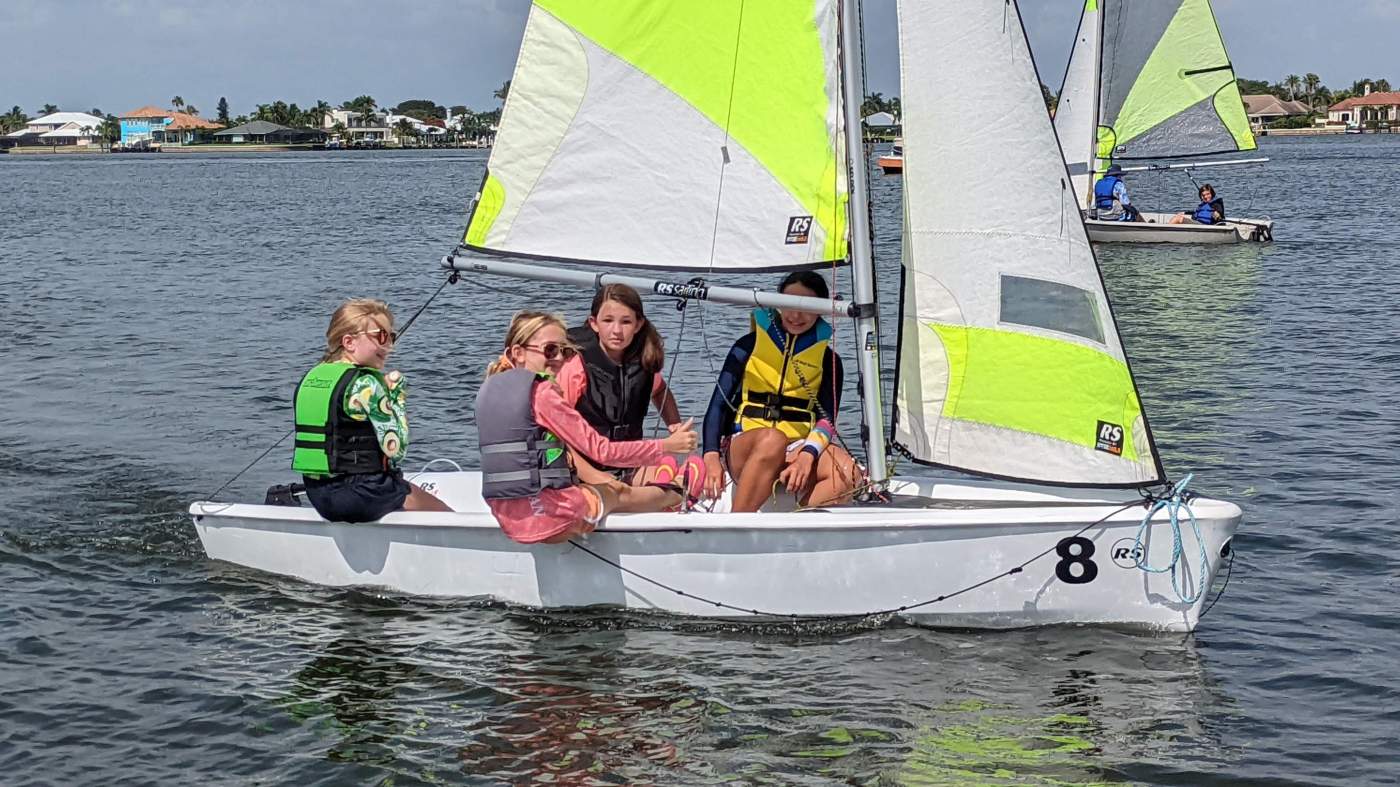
[(1010, 363), (671, 134), (1166, 85)]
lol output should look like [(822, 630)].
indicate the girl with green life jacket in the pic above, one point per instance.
[(351, 428)]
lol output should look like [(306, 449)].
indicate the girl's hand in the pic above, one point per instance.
[(798, 472), (714, 476), (682, 439)]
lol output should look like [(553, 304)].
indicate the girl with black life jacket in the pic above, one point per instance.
[(526, 430), (1210, 211), (351, 428), (772, 415), (615, 379)]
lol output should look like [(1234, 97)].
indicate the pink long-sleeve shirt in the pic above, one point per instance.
[(573, 381), (553, 511)]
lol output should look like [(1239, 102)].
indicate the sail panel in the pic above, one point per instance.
[(1168, 89), (1075, 109), (1010, 363), (671, 135)]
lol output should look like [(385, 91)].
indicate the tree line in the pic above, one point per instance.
[(465, 121)]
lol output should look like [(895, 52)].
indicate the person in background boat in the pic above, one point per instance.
[(1210, 211), (1111, 202), (526, 428), (351, 427), (772, 415), (613, 379)]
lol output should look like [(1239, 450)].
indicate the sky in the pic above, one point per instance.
[(118, 55)]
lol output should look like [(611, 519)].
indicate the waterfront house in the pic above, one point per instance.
[(59, 128), (1264, 109), (427, 131), (151, 124), (360, 128), (262, 132), (1380, 109)]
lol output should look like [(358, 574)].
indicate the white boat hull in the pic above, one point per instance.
[(847, 561), (1155, 229)]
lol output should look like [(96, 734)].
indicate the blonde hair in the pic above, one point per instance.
[(350, 318), (523, 327)]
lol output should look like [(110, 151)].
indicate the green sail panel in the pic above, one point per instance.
[(1167, 88), (1010, 363), (671, 134)]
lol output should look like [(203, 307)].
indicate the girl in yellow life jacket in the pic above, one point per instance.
[(772, 415), (351, 430)]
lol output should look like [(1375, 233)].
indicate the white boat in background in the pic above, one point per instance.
[(1010, 364), (1159, 88)]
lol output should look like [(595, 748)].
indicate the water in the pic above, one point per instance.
[(159, 310)]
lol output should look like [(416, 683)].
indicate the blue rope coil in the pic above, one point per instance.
[(1174, 502)]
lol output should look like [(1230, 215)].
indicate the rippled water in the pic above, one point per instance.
[(158, 311)]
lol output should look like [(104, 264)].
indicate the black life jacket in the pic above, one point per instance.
[(618, 396)]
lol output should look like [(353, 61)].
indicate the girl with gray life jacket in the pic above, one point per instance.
[(615, 379), (351, 428), (1210, 211), (526, 430)]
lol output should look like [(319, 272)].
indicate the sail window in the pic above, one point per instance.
[(1050, 305)]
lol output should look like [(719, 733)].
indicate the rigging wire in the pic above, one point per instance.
[(1016, 569), (452, 278)]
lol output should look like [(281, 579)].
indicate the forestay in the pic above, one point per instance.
[(1010, 363), (1166, 85), (671, 134)]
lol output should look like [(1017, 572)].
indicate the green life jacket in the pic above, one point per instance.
[(329, 442)]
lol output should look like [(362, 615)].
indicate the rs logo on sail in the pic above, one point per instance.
[(1110, 438)]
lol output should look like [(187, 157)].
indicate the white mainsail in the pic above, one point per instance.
[(1010, 363), (671, 134), (1076, 112)]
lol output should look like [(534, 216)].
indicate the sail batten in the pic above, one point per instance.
[(1010, 364), (671, 135)]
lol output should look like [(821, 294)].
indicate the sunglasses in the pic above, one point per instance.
[(552, 350), (380, 336)]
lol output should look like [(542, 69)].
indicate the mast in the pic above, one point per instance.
[(862, 259), (1088, 196)]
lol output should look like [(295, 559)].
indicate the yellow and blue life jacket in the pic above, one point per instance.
[(783, 377)]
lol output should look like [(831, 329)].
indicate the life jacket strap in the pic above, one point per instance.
[(527, 475)]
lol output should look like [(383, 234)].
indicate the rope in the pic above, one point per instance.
[(452, 278), (855, 615), (1173, 502), (1229, 569)]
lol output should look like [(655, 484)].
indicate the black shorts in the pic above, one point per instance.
[(363, 497)]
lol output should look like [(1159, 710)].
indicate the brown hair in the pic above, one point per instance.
[(350, 318), (1206, 187), (523, 327), (653, 350)]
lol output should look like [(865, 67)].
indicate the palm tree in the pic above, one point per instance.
[(405, 129), (1292, 82), (49, 109), (1312, 82), (503, 91), (191, 109), (177, 103), (318, 113)]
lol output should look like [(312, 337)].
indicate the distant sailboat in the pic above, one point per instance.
[(714, 136), (1150, 81)]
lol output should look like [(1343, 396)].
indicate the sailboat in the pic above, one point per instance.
[(1010, 369), (1149, 85)]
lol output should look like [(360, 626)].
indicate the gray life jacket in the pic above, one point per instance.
[(518, 456)]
